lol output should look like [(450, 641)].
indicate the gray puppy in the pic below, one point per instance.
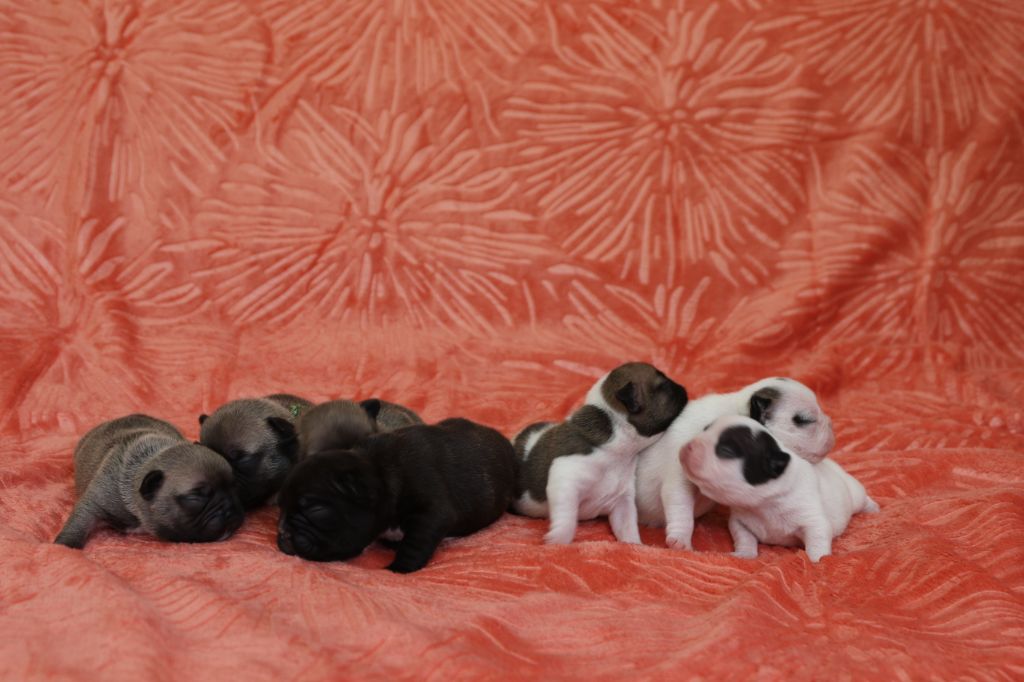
[(137, 473), (341, 424), (258, 439)]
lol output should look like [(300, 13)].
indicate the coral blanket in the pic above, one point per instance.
[(476, 208)]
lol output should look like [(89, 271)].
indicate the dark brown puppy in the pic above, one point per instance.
[(257, 437), (138, 473), (429, 482), (340, 424)]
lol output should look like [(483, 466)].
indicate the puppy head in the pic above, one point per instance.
[(735, 461), (642, 394), (186, 494), (329, 506), (337, 425), (257, 440), (791, 412)]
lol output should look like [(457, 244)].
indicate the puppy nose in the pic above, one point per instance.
[(831, 441)]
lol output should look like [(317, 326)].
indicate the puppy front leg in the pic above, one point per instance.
[(744, 542), (422, 535), (817, 541), (624, 520), (563, 510), (677, 498), (79, 525)]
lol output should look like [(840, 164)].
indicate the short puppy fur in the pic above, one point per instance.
[(775, 497), (139, 474), (258, 439), (428, 482), (341, 424), (785, 407), (585, 467)]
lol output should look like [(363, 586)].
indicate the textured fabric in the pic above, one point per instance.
[(476, 208)]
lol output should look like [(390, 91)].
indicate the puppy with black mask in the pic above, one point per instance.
[(258, 439), (139, 474), (585, 467), (341, 424), (787, 408), (427, 482), (775, 497)]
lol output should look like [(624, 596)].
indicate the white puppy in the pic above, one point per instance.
[(585, 467), (775, 497), (786, 407)]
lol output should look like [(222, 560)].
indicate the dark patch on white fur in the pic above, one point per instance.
[(761, 404), (763, 459), (648, 399), (588, 428)]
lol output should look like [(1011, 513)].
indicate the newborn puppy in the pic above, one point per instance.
[(429, 482), (786, 407), (340, 424), (138, 473), (776, 498), (257, 437), (585, 467)]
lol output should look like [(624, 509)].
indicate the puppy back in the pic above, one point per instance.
[(107, 442)]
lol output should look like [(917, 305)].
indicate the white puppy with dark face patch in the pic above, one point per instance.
[(585, 467), (775, 497), (786, 407)]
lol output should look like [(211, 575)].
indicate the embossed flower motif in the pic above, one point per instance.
[(369, 46), (369, 219), (905, 252), (107, 99), (81, 319), (931, 66), (663, 141)]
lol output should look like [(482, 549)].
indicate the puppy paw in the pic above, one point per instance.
[(678, 542), (745, 554), (815, 556), (558, 537)]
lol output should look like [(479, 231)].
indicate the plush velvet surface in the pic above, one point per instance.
[(477, 208)]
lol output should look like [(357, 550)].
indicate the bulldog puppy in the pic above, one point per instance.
[(257, 437), (340, 424), (786, 407), (776, 497), (139, 474), (427, 482), (585, 467)]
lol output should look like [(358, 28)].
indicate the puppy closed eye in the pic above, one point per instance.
[(802, 421), (193, 502), (317, 513)]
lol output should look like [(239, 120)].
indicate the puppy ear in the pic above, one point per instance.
[(371, 406), (151, 484), (282, 427), (761, 402), (203, 418), (629, 396)]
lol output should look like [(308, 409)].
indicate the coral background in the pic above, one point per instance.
[(476, 208)]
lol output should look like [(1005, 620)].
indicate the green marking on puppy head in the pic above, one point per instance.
[(295, 408)]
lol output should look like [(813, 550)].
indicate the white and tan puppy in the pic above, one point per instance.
[(585, 467), (775, 497), (786, 407)]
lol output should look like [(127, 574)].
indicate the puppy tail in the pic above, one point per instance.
[(870, 506)]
